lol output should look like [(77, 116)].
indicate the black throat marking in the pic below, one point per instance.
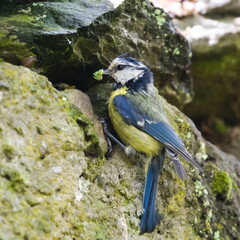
[(141, 83), (137, 84)]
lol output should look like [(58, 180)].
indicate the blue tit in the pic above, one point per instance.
[(137, 114)]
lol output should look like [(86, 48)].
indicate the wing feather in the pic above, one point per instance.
[(161, 130)]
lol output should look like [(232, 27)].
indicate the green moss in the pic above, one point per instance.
[(13, 50), (19, 131), (157, 12), (160, 20), (176, 51), (92, 146), (24, 18), (69, 146), (220, 126), (202, 154), (94, 167), (8, 150), (222, 184), (198, 188), (16, 179)]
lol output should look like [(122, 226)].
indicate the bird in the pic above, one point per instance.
[(137, 115)]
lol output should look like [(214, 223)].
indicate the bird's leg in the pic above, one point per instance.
[(127, 149), (109, 147), (106, 134)]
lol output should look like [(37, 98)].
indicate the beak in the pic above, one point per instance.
[(107, 72)]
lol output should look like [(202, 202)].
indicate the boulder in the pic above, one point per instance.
[(46, 30), (193, 208), (68, 40), (215, 63), (149, 35), (55, 182), (46, 143)]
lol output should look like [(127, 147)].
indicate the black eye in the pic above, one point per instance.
[(120, 67)]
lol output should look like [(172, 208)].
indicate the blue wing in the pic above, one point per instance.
[(161, 131)]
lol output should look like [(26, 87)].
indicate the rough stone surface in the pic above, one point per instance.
[(198, 208), (215, 64), (82, 101), (222, 8), (229, 141), (45, 29), (48, 148), (150, 36), (69, 45), (54, 183)]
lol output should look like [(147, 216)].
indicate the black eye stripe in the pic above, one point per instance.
[(121, 67)]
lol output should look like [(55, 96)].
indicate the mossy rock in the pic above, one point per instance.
[(215, 67), (70, 40), (216, 83), (45, 146), (149, 35), (45, 29), (53, 184), (222, 184), (194, 209)]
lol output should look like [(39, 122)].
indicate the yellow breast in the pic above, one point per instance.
[(129, 134)]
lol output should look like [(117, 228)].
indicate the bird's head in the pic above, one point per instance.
[(124, 69)]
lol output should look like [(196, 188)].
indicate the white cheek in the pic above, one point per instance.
[(122, 77), (126, 75)]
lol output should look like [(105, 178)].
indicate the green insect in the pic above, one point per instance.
[(98, 75)]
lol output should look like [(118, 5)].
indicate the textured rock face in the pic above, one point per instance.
[(45, 145), (215, 43), (54, 182), (64, 36), (150, 36), (45, 29)]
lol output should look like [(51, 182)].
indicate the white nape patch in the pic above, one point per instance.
[(116, 3), (82, 188)]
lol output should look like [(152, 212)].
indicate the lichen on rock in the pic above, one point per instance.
[(54, 180), (150, 36), (222, 184), (45, 145), (192, 208)]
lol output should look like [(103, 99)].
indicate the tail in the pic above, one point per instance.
[(151, 217), (177, 165)]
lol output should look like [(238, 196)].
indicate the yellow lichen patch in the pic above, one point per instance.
[(177, 200)]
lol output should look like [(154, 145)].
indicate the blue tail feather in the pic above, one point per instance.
[(151, 217)]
